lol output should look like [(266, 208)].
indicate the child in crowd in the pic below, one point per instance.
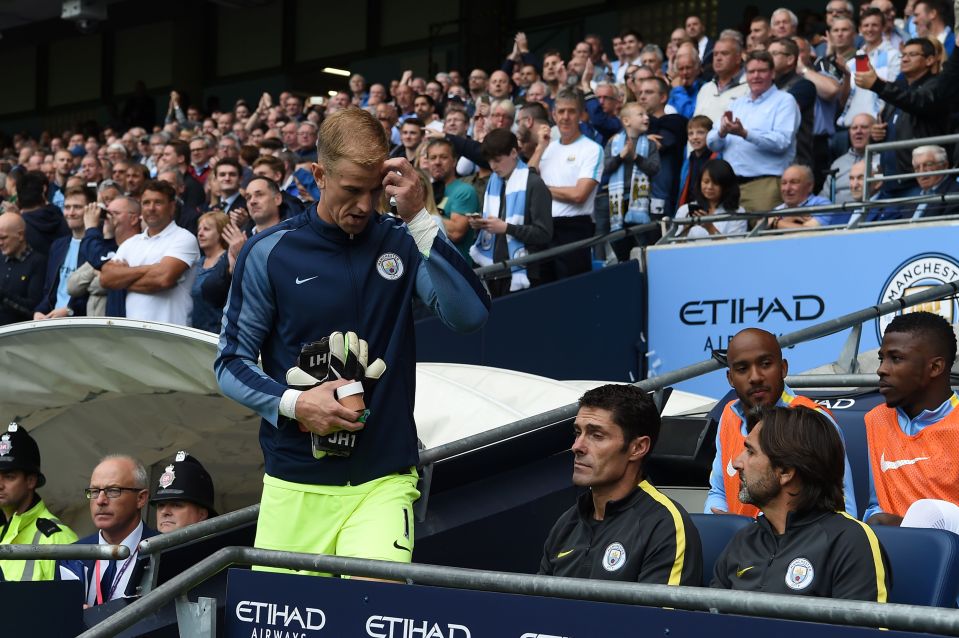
[(631, 161), (691, 174)]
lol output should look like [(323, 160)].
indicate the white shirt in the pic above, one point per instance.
[(174, 305), (123, 572), (731, 227), (565, 164)]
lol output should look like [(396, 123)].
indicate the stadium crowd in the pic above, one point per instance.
[(145, 218), (149, 222)]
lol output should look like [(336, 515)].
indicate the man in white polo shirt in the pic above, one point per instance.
[(154, 267), (571, 167)]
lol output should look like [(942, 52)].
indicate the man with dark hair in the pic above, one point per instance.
[(785, 54), (632, 43), (906, 467), (757, 372), (154, 267), (914, 108), (931, 22), (791, 469), (455, 198), (517, 214), (668, 132), (622, 528), (228, 172), (411, 135), (274, 169), (175, 156), (29, 522), (44, 222), (757, 136)]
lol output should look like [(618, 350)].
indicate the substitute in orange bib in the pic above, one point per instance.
[(757, 372), (913, 437), (791, 468)]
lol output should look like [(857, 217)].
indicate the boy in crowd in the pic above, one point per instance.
[(692, 172)]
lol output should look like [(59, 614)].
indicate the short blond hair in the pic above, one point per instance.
[(631, 108), (353, 134)]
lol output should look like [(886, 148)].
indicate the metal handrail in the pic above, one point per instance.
[(879, 147), (832, 381), (64, 552), (658, 382), (198, 531), (821, 610)]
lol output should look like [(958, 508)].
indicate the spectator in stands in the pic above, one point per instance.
[(28, 521), (502, 112), (63, 167), (602, 106), (690, 176), (117, 493), (185, 215), (718, 194), (696, 31), (213, 257), (917, 353), (411, 135), (424, 107), (631, 162), (44, 222), (857, 190), (517, 215), (884, 63), (455, 198), (796, 187), (571, 167), (64, 259), (306, 140), (728, 82), (22, 270), (760, 33), (154, 266), (648, 537), (837, 189), (757, 372), (792, 470), (785, 54), (676, 39), (783, 23), (835, 9), (137, 175), (227, 173), (654, 59), (632, 43), (682, 96), (926, 159), (184, 494), (530, 121), (274, 169), (757, 136), (828, 79), (913, 110), (891, 32), (174, 157), (668, 132), (929, 17), (387, 116), (201, 151)]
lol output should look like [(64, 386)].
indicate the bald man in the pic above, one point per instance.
[(21, 271), (757, 372)]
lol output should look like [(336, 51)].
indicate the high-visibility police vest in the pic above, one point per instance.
[(733, 442), (36, 526), (907, 468)]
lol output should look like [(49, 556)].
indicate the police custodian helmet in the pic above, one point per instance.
[(185, 480), (18, 451)]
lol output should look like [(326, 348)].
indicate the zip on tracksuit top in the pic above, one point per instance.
[(645, 537), (827, 554), (304, 279)]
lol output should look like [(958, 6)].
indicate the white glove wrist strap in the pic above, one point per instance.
[(288, 403), (423, 228), (349, 390)]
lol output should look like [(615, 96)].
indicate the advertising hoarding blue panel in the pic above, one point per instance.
[(702, 294)]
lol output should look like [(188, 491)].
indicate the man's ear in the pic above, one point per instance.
[(319, 174), (639, 448), (786, 475)]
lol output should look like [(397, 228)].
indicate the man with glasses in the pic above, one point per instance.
[(928, 159), (117, 494), (200, 153), (914, 108), (29, 522)]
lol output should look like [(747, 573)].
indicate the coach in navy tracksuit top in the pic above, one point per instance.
[(305, 278)]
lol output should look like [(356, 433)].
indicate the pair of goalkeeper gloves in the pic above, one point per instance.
[(339, 356)]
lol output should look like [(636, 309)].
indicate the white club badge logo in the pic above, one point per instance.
[(5, 445), (167, 478), (390, 266), (914, 275), (486, 240), (614, 557), (799, 574)]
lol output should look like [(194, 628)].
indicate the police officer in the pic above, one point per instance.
[(184, 494), (792, 469), (28, 521)]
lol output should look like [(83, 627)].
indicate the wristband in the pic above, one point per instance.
[(288, 403), (349, 390), (423, 228)]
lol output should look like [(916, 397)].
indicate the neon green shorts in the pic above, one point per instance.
[(372, 520)]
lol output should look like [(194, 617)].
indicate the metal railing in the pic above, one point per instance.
[(782, 606), (879, 147), (64, 552)]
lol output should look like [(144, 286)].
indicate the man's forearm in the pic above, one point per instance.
[(119, 277), (155, 279), (568, 194)]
